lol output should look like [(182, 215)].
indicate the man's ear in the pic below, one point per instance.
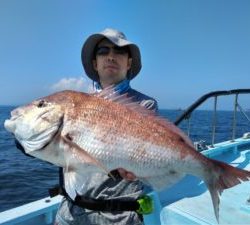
[(94, 64), (129, 63)]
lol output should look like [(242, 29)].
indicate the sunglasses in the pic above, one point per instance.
[(105, 50)]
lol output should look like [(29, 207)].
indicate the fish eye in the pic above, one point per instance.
[(41, 103)]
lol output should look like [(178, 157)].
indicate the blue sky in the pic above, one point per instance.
[(188, 47)]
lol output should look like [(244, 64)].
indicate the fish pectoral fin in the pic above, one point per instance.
[(75, 183), (83, 156), (69, 183)]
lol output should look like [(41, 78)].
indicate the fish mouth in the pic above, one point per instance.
[(9, 125)]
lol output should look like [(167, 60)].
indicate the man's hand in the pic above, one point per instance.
[(127, 175)]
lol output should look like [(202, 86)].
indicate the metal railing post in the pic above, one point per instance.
[(214, 121), (234, 117)]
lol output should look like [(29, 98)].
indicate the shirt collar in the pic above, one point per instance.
[(121, 87)]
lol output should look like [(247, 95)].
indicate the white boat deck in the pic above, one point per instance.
[(39, 212)]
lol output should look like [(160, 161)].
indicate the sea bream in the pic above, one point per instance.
[(86, 133)]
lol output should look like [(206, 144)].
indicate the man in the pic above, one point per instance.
[(109, 59)]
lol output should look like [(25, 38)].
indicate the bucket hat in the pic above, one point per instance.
[(116, 37)]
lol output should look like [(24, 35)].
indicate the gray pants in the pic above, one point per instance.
[(69, 214)]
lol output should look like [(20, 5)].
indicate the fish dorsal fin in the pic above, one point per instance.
[(113, 95)]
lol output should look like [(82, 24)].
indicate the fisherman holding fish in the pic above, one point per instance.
[(107, 144), (109, 59)]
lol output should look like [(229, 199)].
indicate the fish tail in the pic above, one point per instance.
[(226, 176)]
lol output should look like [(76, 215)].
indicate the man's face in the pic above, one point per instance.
[(112, 63)]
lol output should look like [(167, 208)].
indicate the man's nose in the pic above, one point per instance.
[(111, 55)]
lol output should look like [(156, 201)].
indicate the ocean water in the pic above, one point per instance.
[(24, 179)]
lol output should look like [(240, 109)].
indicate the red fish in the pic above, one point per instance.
[(85, 133)]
